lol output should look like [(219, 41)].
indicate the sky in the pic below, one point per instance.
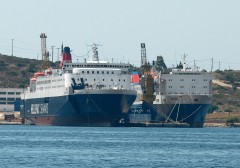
[(201, 29)]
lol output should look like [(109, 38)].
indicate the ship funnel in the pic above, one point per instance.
[(66, 56)]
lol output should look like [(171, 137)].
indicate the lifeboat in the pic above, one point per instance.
[(33, 79), (38, 74)]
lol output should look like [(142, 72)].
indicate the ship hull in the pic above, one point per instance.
[(81, 109), (189, 111), (193, 114)]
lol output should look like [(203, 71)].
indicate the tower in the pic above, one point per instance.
[(143, 55), (45, 53), (147, 82), (145, 66)]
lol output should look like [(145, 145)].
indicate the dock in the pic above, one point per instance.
[(10, 118), (155, 124), (10, 123)]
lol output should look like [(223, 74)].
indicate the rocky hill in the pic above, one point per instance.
[(226, 91), (15, 72)]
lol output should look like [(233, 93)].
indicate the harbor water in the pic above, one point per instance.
[(43, 146)]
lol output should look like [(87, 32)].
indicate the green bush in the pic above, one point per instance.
[(227, 110), (232, 119), (12, 73)]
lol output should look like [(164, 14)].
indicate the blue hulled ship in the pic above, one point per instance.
[(92, 93), (182, 96)]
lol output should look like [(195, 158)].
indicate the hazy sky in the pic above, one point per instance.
[(203, 29)]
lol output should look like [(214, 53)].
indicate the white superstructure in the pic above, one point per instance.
[(183, 82), (90, 75)]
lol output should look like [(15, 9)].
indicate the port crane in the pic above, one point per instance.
[(147, 81)]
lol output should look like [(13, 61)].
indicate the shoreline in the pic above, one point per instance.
[(217, 125), (10, 123), (223, 125)]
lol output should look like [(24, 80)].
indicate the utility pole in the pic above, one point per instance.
[(12, 47), (58, 53), (219, 66), (212, 65), (52, 52)]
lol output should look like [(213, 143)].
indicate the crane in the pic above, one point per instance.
[(147, 82)]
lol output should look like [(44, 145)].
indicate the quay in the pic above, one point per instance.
[(155, 124), (10, 118)]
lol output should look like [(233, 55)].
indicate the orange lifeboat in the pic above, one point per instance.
[(33, 79), (38, 74)]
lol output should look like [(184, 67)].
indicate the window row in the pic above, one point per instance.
[(97, 72), (6, 102), (192, 80), (104, 80), (10, 93), (93, 65), (9, 99), (183, 87), (188, 73), (43, 82)]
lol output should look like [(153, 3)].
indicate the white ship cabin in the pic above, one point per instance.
[(94, 62), (74, 77), (185, 82), (104, 78), (125, 68), (91, 78)]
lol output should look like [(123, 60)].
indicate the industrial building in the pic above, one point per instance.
[(10, 99)]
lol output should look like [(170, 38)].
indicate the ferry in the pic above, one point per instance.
[(182, 96), (91, 93)]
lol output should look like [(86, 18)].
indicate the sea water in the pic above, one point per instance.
[(51, 146)]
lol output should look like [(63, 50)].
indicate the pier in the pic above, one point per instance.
[(10, 118), (155, 124)]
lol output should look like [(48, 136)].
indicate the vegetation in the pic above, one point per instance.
[(160, 64), (232, 120), (227, 99), (15, 72)]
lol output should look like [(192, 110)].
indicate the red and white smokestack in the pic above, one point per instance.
[(66, 56)]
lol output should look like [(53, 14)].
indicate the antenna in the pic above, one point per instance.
[(184, 62), (95, 51), (52, 52), (58, 53), (212, 65), (62, 48), (12, 47)]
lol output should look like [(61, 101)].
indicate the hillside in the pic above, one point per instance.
[(15, 72), (226, 91)]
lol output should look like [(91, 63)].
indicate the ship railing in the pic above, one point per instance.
[(105, 88), (114, 86)]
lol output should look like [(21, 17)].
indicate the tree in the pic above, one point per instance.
[(180, 66), (160, 64)]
